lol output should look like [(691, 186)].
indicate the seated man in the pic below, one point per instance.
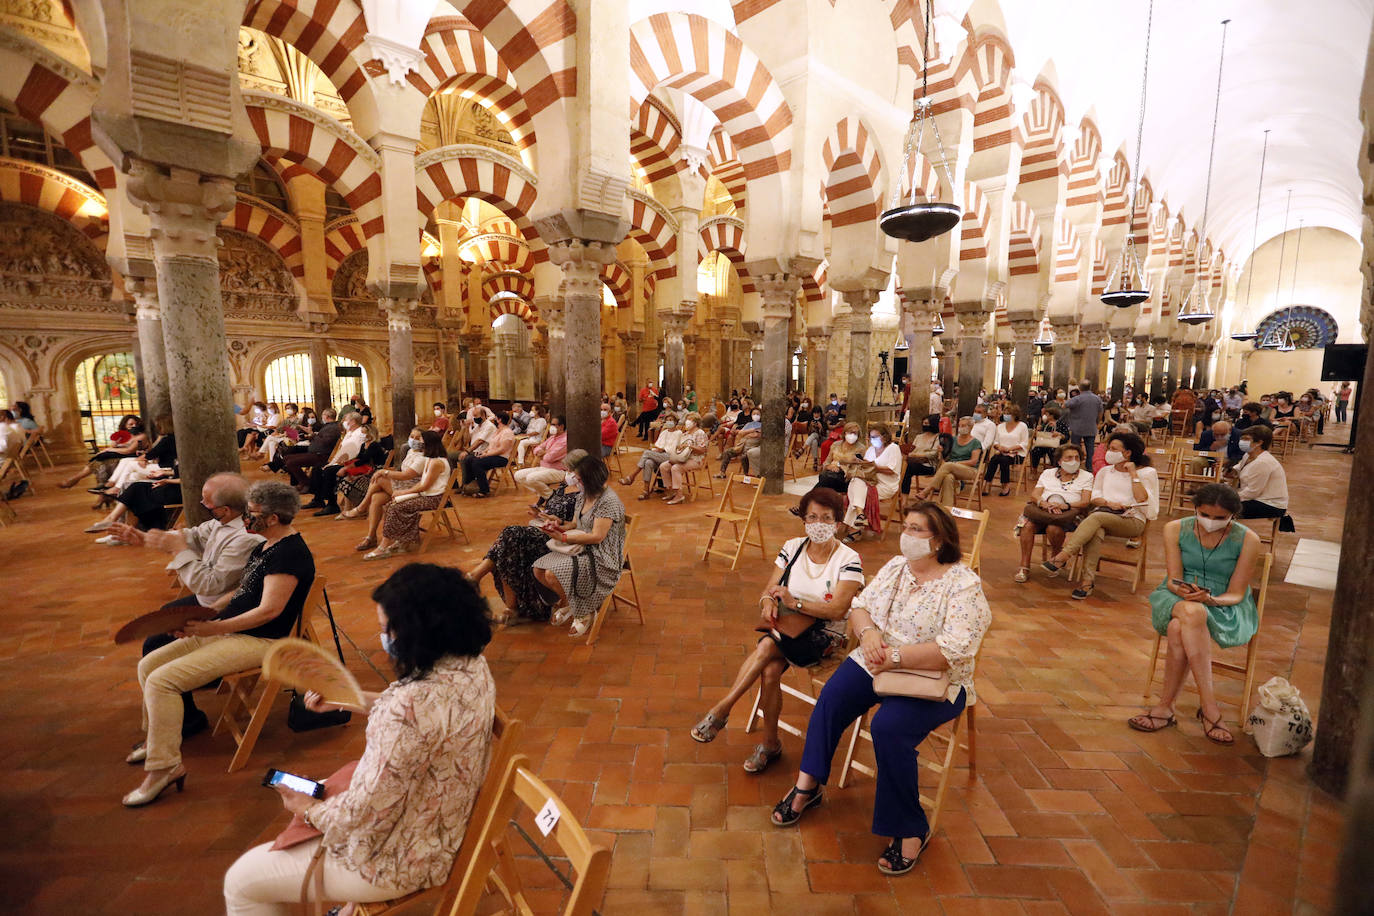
[(745, 438), (1214, 445), (752, 462), (548, 474), (441, 418), (325, 478), (518, 418), (316, 454), (208, 559)]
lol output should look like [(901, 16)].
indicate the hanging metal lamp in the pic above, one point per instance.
[(939, 327), (1277, 338), (919, 220), (1201, 313), (1287, 345), (1244, 336), (1128, 295)]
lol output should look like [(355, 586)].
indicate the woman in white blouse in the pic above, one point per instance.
[(1125, 499), (885, 458), (925, 610), (1010, 445), (1056, 504)]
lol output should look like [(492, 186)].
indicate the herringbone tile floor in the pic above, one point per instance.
[(1069, 811)]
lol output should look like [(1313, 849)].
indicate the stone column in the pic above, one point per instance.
[(1065, 331), (553, 321), (184, 208), (860, 302), (582, 262), (1092, 336), (452, 357), (972, 317), (631, 340), (1142, 352), (1023, 333), (779, 293), (1120, 337), (157, 398), (949, 357), (921, 312), (1202, 360), (1159, 346), (1173, 378), (674, 324), (819, 338), (1003, 378), (755, 331), (1185, 373), (401, 355), (318, 348)]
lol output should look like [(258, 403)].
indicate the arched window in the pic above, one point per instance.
[(291, 378), (106, 389)]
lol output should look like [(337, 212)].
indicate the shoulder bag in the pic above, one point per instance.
[(917, 683)]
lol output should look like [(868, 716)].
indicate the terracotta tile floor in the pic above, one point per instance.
[(1069, 812)]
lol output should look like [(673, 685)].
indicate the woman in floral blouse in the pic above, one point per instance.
[(924, 609), (398, 825)]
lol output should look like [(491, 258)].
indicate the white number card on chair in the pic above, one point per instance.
[(547, 818)]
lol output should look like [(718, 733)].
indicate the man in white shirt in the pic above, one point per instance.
[(1263, 481), (937, 400), (209, 559), (984, 428), (326, 478)]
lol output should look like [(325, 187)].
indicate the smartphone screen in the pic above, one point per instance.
[(293, 782)]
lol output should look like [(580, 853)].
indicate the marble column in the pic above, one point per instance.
[(1142, 353), (921, 316), (949, 357), (1120, 337), (819, 338), (860, 302), (1023, 334), (1159, 346), (157, 398), (553, 320), (1003, 378), (674, 324), (319, 372), (972, 317), (184, 209), (755, 331), (1172, 378), (452, 357), (1065, 329), (779, 293), (1093, 336), (1185, 375), (631, 340), (401, 356), (1202, 360), (581, 262)]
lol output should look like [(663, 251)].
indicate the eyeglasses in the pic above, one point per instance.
[(914, 529), (814, 519)]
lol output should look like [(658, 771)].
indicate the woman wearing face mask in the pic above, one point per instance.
[(1010, 444), (577, 584), (651, 458), (925, 610), (401, 516), (960, 466), (926, 453), (844, 460), (802, 616), (1125, 499), (610, 432), (264, 608), (1051, 432), (1204, 598), (510, 560), (884, 458), (398, 825), (690, 455), (382, 485), (1056, 504)]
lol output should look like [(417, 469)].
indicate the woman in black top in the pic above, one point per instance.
[(266, 606)]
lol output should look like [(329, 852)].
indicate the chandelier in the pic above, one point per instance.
[(1201, 313), (1279, 337), (1127, 296), (1243, 336)]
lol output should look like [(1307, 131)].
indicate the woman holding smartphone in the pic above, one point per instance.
[(1206, 598)]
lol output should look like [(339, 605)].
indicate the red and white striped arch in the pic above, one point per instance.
[(1218, 272), (920, 170), (500, 250), (694, 54), (1043, 128), (453, 172), (725, 165), (905, 18), (47, 90), (1182, 249), (279, 231), (973, 231), (620, 282), (508, 281), (725, 234), (295, 133), (458, 59), (1154, 232), (512, 305), (1101, 268), (57, 193), (853, 173), (329, 32), (1085, 187), (655, 136), (814, 285), (990, 63), (536, 39), (653, 228), (341, 238), (1068, 250), (1023, 241), (1117, 200)]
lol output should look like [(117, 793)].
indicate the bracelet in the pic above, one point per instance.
[(871, 626)]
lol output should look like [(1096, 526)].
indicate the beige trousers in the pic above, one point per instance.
[(267, 882), (539, 480), (1090, 532), (165, 674), (946, 480)]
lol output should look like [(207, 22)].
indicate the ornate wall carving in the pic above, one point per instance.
[(46, 263), (358, 306), (253, 278)]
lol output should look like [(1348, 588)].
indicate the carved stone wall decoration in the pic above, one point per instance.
[(45, 262), (427, 364), (253, 278), (357, 305)]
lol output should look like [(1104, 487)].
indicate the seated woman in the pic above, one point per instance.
[(354, 477), (1051, 432), (401, 517), (803, 610), (510, 560), (1125, 499), (128, 439), (926, 453), (265, 608), (577, 584), (157, 461), (651, 458), (961, 465), (883, 459), (398, 825), (381, 487), (1056, 504), (815, 432), (1262, 480), (496, 453), (843, 456), (689, 456), (284, 431), (1010, 445), (1204, 598), (535, 431), (924, 610)]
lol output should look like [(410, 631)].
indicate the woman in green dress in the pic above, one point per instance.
[(1206, 598)]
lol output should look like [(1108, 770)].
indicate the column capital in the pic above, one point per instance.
[(779, 293), (1121, 336), (184, 207), (1024, 330), (1159, 343), (1004, 347), (398, 312), (144, 293), (930, 296), (1140, 340), (581, 262), (861, 301), (972, 307), (1188, 345), (674, 323)]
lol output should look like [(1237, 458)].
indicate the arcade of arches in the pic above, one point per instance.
[(205, 205)]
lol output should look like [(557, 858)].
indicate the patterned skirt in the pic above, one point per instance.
[(353, 487), (401, 523)]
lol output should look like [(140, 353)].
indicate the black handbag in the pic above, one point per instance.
[(300, 719)]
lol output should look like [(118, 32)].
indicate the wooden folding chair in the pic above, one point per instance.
[(444, 516), (1165, 463), (739, 521), (1133, 558), (1263, 565), (631, 600), (30, 449), (1186, 479), (1181, 423), (1266, 528), (619, 449), (972, 491), (505, 731), (491, 861), (974, 555), (693, 482), (7, 513), (243, 684), (813, 681), (795, 467)]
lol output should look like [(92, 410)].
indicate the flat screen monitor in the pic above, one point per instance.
[(1344, 363)]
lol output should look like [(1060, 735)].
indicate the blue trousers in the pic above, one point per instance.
[(899, 725)]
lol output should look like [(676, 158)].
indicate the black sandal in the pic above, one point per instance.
[(784, 816), (892, 862)]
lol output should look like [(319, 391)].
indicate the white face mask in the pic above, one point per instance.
[(1070, 467), (605, 414), (1006, 418), (417, 444), (570, 478), (877, 442), (820, 532), (438, 412), (1114, 457), (1244, 445), (670, 425), (691, 424), (757, 417), (1213, 524), (915, 548), (851, 438), (553, 430)]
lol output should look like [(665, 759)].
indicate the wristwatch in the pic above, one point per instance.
[(799, 605), (896, 656)]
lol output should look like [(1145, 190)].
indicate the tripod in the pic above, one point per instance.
[(884, 383)]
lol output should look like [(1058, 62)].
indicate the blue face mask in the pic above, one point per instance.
[(1244, 445), (388, 645), (416, 444)]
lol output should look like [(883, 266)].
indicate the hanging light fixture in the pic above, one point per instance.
[(1243, 336), (1045, 336), (939, 326), (1286, 345), (1273, 340), (1201, 313), (921, 220), (1127, 296)]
